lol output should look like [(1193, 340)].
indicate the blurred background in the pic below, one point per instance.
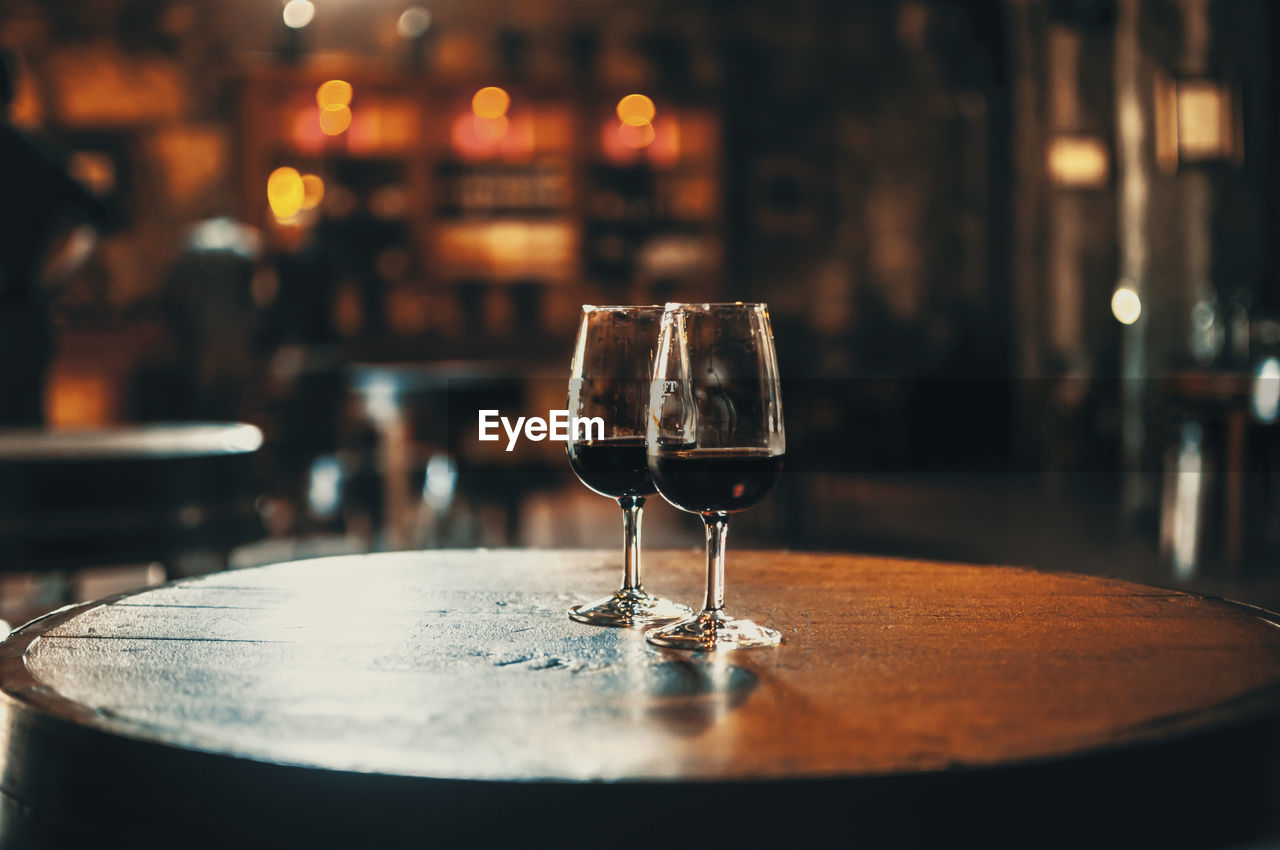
[(1020, 255)]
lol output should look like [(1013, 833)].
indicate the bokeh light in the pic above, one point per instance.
[(665, 149), (1126, 306), (333, 92), (1265, 396), (312, 191), (1079, 161), (335, 119), (490, 102), (286, 192), (324, 490), (491, 130), (298, 13), (413, 22), (637, 108), (636, 133)]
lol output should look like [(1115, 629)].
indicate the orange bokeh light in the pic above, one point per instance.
[(334, 91), (490, 102), (335, 119), (636, 133), (286, 192), (491, 130), (636, 108), (665, 149), (312, 191), (483, 138)]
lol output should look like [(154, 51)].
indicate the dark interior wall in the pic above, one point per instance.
[(870, 207), (1244, 205), (865, 139)]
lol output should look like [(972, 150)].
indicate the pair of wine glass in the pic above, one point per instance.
[(691, 409)]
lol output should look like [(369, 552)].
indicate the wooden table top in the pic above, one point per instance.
[(460, 669), (75, 498), (135, 442)]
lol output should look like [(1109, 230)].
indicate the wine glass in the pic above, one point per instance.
[(612, 362), (715, 444)]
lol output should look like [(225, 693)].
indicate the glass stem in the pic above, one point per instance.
[(717, 533), (632, 512)]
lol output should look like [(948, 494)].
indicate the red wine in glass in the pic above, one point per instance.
[(609, 381), (717, 480), (616, 467), (715, 444)]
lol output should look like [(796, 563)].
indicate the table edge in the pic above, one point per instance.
[(33, 697)]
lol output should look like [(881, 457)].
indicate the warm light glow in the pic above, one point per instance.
[(636, 133), (1079, 161), (507, 249), (285, 192), (304, 130), (1126, 306), (477, 138), (335, 119), (665, 149), (636, 107), (490, 102), (1196, 120), (1202, 120), (413, 22), (490, 130), (312, 191), (26, 110), (333, 92), (298, 13), (95, 169), (384, 126), (520, 139), (78, 401)]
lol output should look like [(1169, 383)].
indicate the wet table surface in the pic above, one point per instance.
[(452, 682)]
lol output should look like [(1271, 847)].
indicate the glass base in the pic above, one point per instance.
[(709, 631), (629, 608)]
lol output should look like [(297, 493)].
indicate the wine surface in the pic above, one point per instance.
[(727, 480), (613, 467)]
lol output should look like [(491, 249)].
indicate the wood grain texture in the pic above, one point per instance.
[(462, 666)]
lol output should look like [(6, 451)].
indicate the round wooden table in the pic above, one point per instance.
[(414, 699), (126, 494)]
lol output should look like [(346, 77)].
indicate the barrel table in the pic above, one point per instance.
[(427, 699)]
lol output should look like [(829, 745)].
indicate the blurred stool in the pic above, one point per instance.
[(1205, 470), (180, 495)]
